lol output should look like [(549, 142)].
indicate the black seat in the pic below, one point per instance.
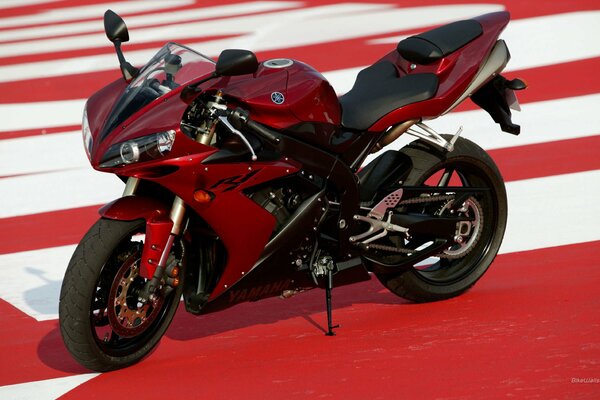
[(432, 45), (378, 90)]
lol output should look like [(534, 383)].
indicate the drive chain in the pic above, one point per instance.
[(416, 200), (401, 250), (373, 246), (427, 199)]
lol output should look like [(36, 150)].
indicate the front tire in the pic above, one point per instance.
[(102, 324), (451, 275)]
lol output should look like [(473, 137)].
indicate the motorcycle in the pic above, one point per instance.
[(243, 181)]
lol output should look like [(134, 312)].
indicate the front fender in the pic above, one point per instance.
[(158, 225)]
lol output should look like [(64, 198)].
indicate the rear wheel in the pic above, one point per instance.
[(103, 324), (461, 264)]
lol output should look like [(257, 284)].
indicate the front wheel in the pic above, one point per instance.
[(102, 323), (459, 266)]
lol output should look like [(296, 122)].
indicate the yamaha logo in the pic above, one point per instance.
[(277, 98)]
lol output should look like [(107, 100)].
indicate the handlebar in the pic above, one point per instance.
[(241, 118), (235, 120), (262, 131)]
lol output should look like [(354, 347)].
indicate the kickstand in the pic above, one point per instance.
[(330, 326)]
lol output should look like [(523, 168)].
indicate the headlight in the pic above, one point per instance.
[(87, 134), (145, 148)]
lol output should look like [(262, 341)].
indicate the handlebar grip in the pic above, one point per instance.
[(262, 131), (240, 118)]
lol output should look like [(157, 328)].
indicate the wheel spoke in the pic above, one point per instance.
[(445, 179)]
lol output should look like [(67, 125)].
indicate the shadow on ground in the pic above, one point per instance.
[(188, 327), (185, 326)]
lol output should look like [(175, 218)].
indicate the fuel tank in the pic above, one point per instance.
[(291, 97)]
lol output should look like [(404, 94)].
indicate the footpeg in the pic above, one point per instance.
[(377, 229)]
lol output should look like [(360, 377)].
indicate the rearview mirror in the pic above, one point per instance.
[(233, 62), (115, 27), (116, 32)]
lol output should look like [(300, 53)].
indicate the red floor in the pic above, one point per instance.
[(529, 328)]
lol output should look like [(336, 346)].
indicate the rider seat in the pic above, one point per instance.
[(378, 91), (430, 46)]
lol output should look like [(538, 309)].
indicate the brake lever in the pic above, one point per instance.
[(225, 121)]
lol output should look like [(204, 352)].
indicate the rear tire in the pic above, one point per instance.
[(452, 277), (99, 290)]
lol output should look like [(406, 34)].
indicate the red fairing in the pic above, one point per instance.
[(311, 97), (158, 225), (161, 115), (307, 96), (455, 72), (243, 226), (102, 103)]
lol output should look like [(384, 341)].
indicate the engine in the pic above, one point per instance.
[(280, 202)]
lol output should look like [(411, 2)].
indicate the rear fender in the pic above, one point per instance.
[(158, 225), (494, 97)]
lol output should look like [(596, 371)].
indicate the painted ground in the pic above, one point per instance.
[(529, 329)]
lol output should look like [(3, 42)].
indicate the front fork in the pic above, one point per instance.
[(177, 216)]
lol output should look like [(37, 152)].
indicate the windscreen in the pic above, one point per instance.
[(174, 65)]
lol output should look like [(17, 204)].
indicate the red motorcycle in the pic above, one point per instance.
[(243, 181)]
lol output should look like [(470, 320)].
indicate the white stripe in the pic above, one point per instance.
[(150, 19), (553, 211), (91, 11), (232, 26), (41, 390), (538, 41), (542, 213), (52, 191), (139, 57), (538, 121), (541, 122), (23, 3), (341, 80), (34, 288), (563, 34), (278, 30), (45, 153), (45, 114), (533, 42), (306, 29)]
